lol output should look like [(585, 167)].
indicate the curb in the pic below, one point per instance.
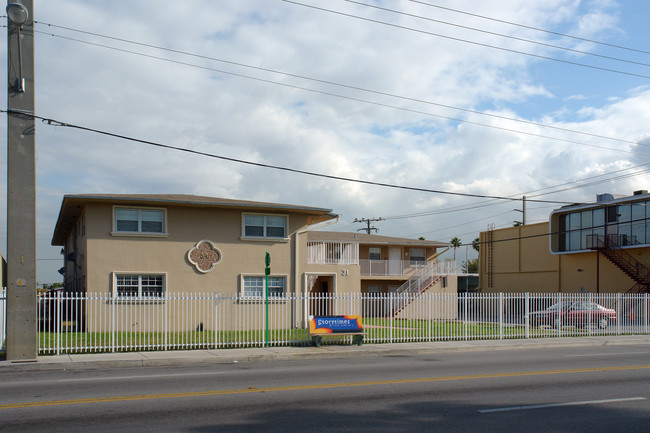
[(230, 356)]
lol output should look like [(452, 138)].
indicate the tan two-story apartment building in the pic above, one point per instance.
[(138, 248)]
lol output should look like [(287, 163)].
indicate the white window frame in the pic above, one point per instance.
[(264, 227), (139, 232), (117, 296), (260, 297)]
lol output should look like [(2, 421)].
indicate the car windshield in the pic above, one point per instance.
[(560, 306)]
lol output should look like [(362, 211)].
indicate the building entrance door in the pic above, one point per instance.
[(320, 296), (394, 261)]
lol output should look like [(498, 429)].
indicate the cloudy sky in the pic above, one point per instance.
[(498, 98)]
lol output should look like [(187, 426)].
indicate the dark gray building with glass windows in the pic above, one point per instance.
[(610, 223)]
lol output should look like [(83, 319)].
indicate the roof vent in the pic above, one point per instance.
[(641, 192), (604, 197)]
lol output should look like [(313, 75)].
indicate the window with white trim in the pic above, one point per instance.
[(265, 226), (374, 253), (253, 286), (134, 220), (140, 286)]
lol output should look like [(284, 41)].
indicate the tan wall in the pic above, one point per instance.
[(383, 284), (185, 226), (347, 276), (522, 262), (428, 308)]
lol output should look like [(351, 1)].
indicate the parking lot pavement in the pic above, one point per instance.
[(221, 356)]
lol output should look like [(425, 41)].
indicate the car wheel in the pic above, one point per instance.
[(603, 322)]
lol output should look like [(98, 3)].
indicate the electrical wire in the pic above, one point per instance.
[(544, 44), (409, 110), (532, 28), (537, 56), (53, 122), (472, 206), (317, 80), (462, 224)]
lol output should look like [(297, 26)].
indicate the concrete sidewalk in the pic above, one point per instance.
[(228, 356)]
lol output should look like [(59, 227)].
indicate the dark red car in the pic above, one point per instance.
[(575, 313)]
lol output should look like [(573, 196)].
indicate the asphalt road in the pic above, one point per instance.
[(548, 390)]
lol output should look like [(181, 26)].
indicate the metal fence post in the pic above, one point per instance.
[(559, 318), (166, 321), (112, 327), (645, 313), (465, 307), (57, 323), (527, 314), (501, 315), (392, 317), (589, 317), (619, 316), (430, 318)]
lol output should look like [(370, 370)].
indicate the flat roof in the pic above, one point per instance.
[(72, 207), (614, 201)]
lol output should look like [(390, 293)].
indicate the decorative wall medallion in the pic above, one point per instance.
[(204, 256)]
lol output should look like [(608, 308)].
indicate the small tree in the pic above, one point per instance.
[(470, 266), (476, 244)]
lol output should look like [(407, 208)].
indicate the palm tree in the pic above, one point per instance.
[(476, 244), (455, 243)]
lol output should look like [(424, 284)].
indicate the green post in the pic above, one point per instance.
[(267, 272)]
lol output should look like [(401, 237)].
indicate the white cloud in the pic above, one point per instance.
[(359, 136)]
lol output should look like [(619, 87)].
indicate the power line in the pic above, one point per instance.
[(544, 44), (322, 81), (538, 56), (624, 176), (492, 202), (462, 224), (53, 122), (532, 28), (519, 237)]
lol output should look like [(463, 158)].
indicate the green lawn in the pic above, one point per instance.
[(376, 330)]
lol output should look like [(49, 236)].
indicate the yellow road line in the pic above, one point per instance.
[(310, 387)]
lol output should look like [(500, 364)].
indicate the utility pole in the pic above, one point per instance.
[(523, 212), (21, 183), (367, 221)]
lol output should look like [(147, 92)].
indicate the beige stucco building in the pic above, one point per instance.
[(601, 247), (141, 247)]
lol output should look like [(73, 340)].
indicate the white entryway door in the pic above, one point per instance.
[(394, 261)]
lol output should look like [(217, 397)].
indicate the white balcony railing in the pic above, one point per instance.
[(388, 267), (333, 253), (402, 267)]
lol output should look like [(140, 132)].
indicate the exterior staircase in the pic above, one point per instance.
[(423, 278), (611, 249)]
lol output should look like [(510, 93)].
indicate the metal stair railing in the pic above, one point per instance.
[(423, 277), (611, 248)]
